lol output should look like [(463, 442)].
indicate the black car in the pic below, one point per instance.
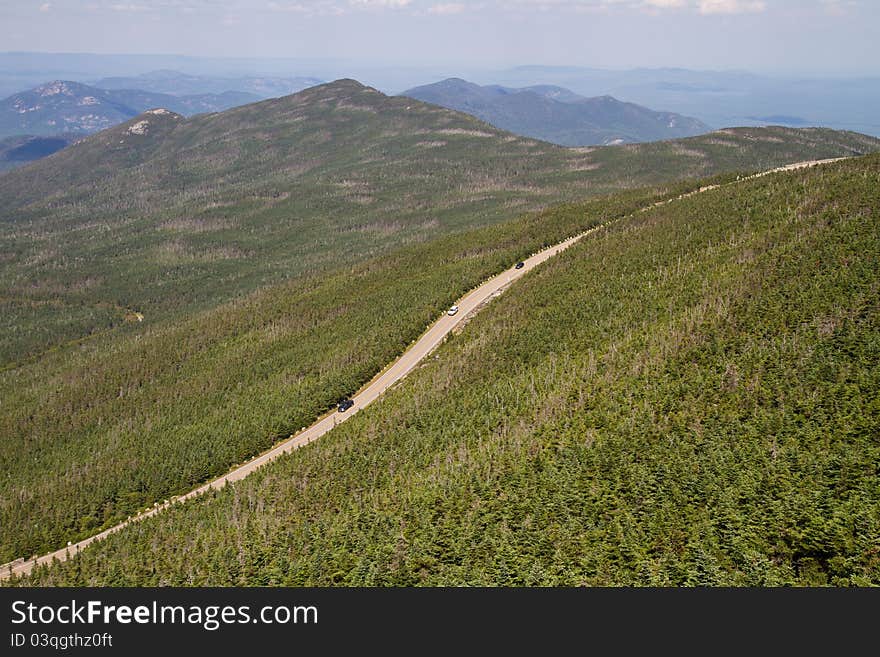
[(520, 265), (345, 404)]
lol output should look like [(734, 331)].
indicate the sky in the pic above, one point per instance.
[(783, 36)]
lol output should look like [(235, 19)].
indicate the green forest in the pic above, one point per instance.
[(689, 396), (172, 303), (174, 406)]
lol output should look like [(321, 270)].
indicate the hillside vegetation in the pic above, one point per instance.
[(166, 216), (96, 431), (176, 293), (688, 397)]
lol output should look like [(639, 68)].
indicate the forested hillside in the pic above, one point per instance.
[(689, 396), (166, 216), (176, 294), (148, 412)]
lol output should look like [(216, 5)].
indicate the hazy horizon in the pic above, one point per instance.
[(725, 62), (810, 38), (282, 65)]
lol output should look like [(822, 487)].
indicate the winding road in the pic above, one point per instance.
[(429, 341)]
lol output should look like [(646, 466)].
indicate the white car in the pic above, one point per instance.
[(452, 310)]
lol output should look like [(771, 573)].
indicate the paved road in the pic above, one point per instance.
[(373, 390)]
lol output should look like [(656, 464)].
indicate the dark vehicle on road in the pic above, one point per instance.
[(345, 404), (520, 265)]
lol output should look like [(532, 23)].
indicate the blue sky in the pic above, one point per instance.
[(786, 36)]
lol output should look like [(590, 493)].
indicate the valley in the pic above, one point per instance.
[(179, 294), (380, 384), (640, 435)]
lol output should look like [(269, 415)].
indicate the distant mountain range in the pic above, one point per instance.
[(558, 115), (176, 83), (721, 98), (71, 107)]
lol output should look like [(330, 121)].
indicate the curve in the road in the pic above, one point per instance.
[(435, 334)]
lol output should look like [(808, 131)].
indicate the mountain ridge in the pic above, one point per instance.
[(64, 106), (558, 115), (176, 83)]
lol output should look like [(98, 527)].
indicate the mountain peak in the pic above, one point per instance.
[(342, 88), (348, 84), (57, 88), (345, 90), (161, 111), (457, 83), (147, 122)]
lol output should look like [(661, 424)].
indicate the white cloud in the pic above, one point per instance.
[(704, 7), (447, 9), (334, 7), (520, 9), (665, 4), (307, 8), (708, 7), (380, 4), (129, 6), (838, 7)]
